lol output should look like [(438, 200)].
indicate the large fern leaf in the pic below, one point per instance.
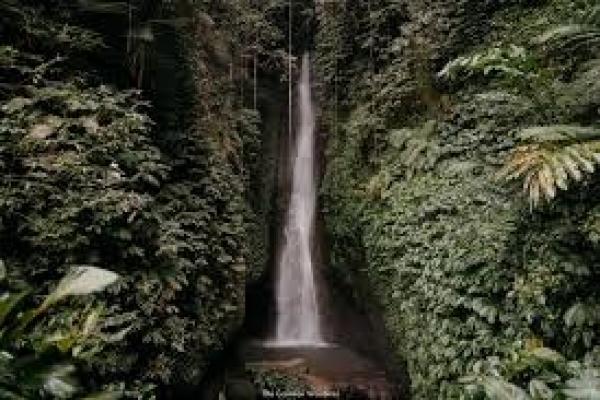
[(574, 36), (550, 158), (570, 36), (512, 61)]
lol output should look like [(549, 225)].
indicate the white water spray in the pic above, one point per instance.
[(297, 306)]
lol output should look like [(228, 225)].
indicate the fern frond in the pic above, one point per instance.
[(511, 61), (570, 37), (418, 148), (561, 178), (577, 152), (559, 133), (547, 181), (551, 156), (562, 32), (572, 167)]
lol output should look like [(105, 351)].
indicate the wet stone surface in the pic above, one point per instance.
[(329, 371)]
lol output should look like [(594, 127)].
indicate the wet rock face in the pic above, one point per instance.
[(318, 371)]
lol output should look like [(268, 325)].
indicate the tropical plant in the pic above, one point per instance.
[(458, 268), (582, 33), (534, 374), (34, 361), (551, 157), (510, 61), (509, 67), (419, 147)]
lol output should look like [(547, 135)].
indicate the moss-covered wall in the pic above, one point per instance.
[(461, 266), (179, 206)]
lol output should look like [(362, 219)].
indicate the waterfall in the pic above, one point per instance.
[(297, 305)]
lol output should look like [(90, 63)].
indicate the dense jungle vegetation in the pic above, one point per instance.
[(131, 142), (439, 113), (139, 143)]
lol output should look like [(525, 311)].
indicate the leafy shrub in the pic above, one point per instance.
[(460, 268), (35, 359), (581, 35), (558, 154), (86, 177), (512, 62), (534, 373), (276, 382)]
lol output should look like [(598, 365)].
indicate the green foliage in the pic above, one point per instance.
[(460, 268), (510, 62), (38, 361), (275, 382), (581, 35), (32, 27), (535, 373), (558, 154), (174, 206), (419, 147)]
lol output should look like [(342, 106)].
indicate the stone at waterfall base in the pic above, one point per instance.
[(329, 372)]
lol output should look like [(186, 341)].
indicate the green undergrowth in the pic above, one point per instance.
[(463, 266), (129, 148), (277, 383)]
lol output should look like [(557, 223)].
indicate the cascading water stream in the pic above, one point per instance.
[(299, 348), (297, 306)]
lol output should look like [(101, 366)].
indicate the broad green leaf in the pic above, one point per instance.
[(16, 104), (58, 381), (8, 302), (117, 336), (546, 354), (498, 389), (539, 390), (80, 281), (575, 315)]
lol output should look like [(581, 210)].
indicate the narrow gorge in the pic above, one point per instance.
[(242, 199), (305, 343), (298, 316)]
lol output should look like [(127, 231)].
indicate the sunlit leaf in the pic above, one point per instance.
[(58, 381), (8, 303), (498, 389), (79, 281), (547, 354), (539, 390)]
